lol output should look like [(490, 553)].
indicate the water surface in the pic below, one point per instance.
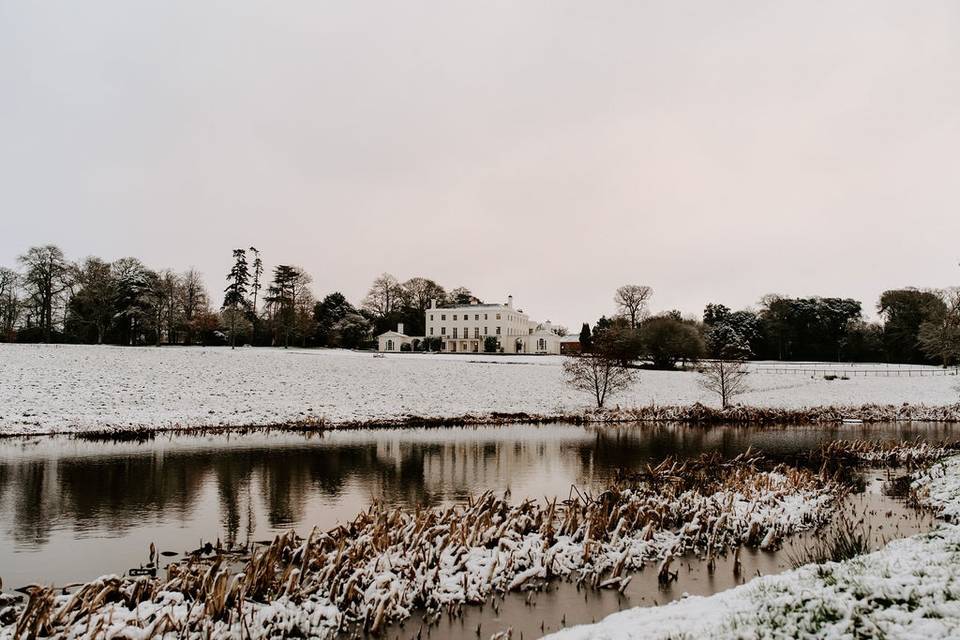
[(72, 510)]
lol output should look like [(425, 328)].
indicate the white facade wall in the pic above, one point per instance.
[(392, 341), (464, 328)]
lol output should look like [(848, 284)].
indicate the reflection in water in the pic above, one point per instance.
[(72, 509)]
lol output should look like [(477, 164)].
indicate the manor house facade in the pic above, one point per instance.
[(464, 328)]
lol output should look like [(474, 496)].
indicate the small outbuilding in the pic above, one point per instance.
[(394, 340)]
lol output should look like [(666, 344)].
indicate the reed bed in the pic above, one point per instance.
[(912, 455), (388, 562), (695, 414), (744, 414)]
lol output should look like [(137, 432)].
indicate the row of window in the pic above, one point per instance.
[(541, 344), (476, 316), (466, 331)]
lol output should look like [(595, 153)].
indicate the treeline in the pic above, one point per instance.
[(51, 299), (48, 298), (916, 327)]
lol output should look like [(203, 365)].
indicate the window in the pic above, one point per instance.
[(476, 332), (485, 316), (476, 316), (498, 330), (542, 344), (443, 316), (443, 331), (498, 316), (431, 330), (431, 317), (454, 316), (486, 331), (454, 333)]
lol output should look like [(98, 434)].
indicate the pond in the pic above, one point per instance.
[(72, 509)]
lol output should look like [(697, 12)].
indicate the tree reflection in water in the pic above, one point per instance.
[(56, 492)]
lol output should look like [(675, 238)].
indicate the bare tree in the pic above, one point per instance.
[(193, 302), (385, 296), (159, 298), (597, 373), (420, 291), (726, 378), (631, 301), (95, 303), (46, 278), (169, 284), (9, 302), (939, 336)]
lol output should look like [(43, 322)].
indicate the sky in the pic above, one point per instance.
[(549, 150)]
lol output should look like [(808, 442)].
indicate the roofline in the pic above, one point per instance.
[(475, 306)]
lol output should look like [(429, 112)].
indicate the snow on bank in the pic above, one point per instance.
[(939, 488), (45, 388), (908, 589)]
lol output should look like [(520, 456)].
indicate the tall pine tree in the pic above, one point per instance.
[(235, 295), (281, 298), (255, 289)]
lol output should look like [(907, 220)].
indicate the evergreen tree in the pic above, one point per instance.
[(327, 313), (132, 303), (281, 296), (235, 294), (586, 340), (255, 289)]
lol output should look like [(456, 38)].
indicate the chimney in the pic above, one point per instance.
[(433, 303), (510, 301), (399, 327)]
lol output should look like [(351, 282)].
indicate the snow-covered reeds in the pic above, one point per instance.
[(911, 455), (388, 562), (746, 414)]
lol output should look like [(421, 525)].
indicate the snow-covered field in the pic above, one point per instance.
[(46, 388), (908, 589)]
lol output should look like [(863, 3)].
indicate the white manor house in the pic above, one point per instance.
[(464, 328)]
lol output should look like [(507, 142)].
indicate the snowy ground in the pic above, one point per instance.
[(909, 589), (46, 388)]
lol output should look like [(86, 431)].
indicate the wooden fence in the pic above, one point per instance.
[(841, 372)]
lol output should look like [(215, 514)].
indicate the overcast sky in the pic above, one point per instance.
[(716, 151)]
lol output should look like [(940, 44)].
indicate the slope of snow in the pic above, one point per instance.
[(908, 589), (47, 388)]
